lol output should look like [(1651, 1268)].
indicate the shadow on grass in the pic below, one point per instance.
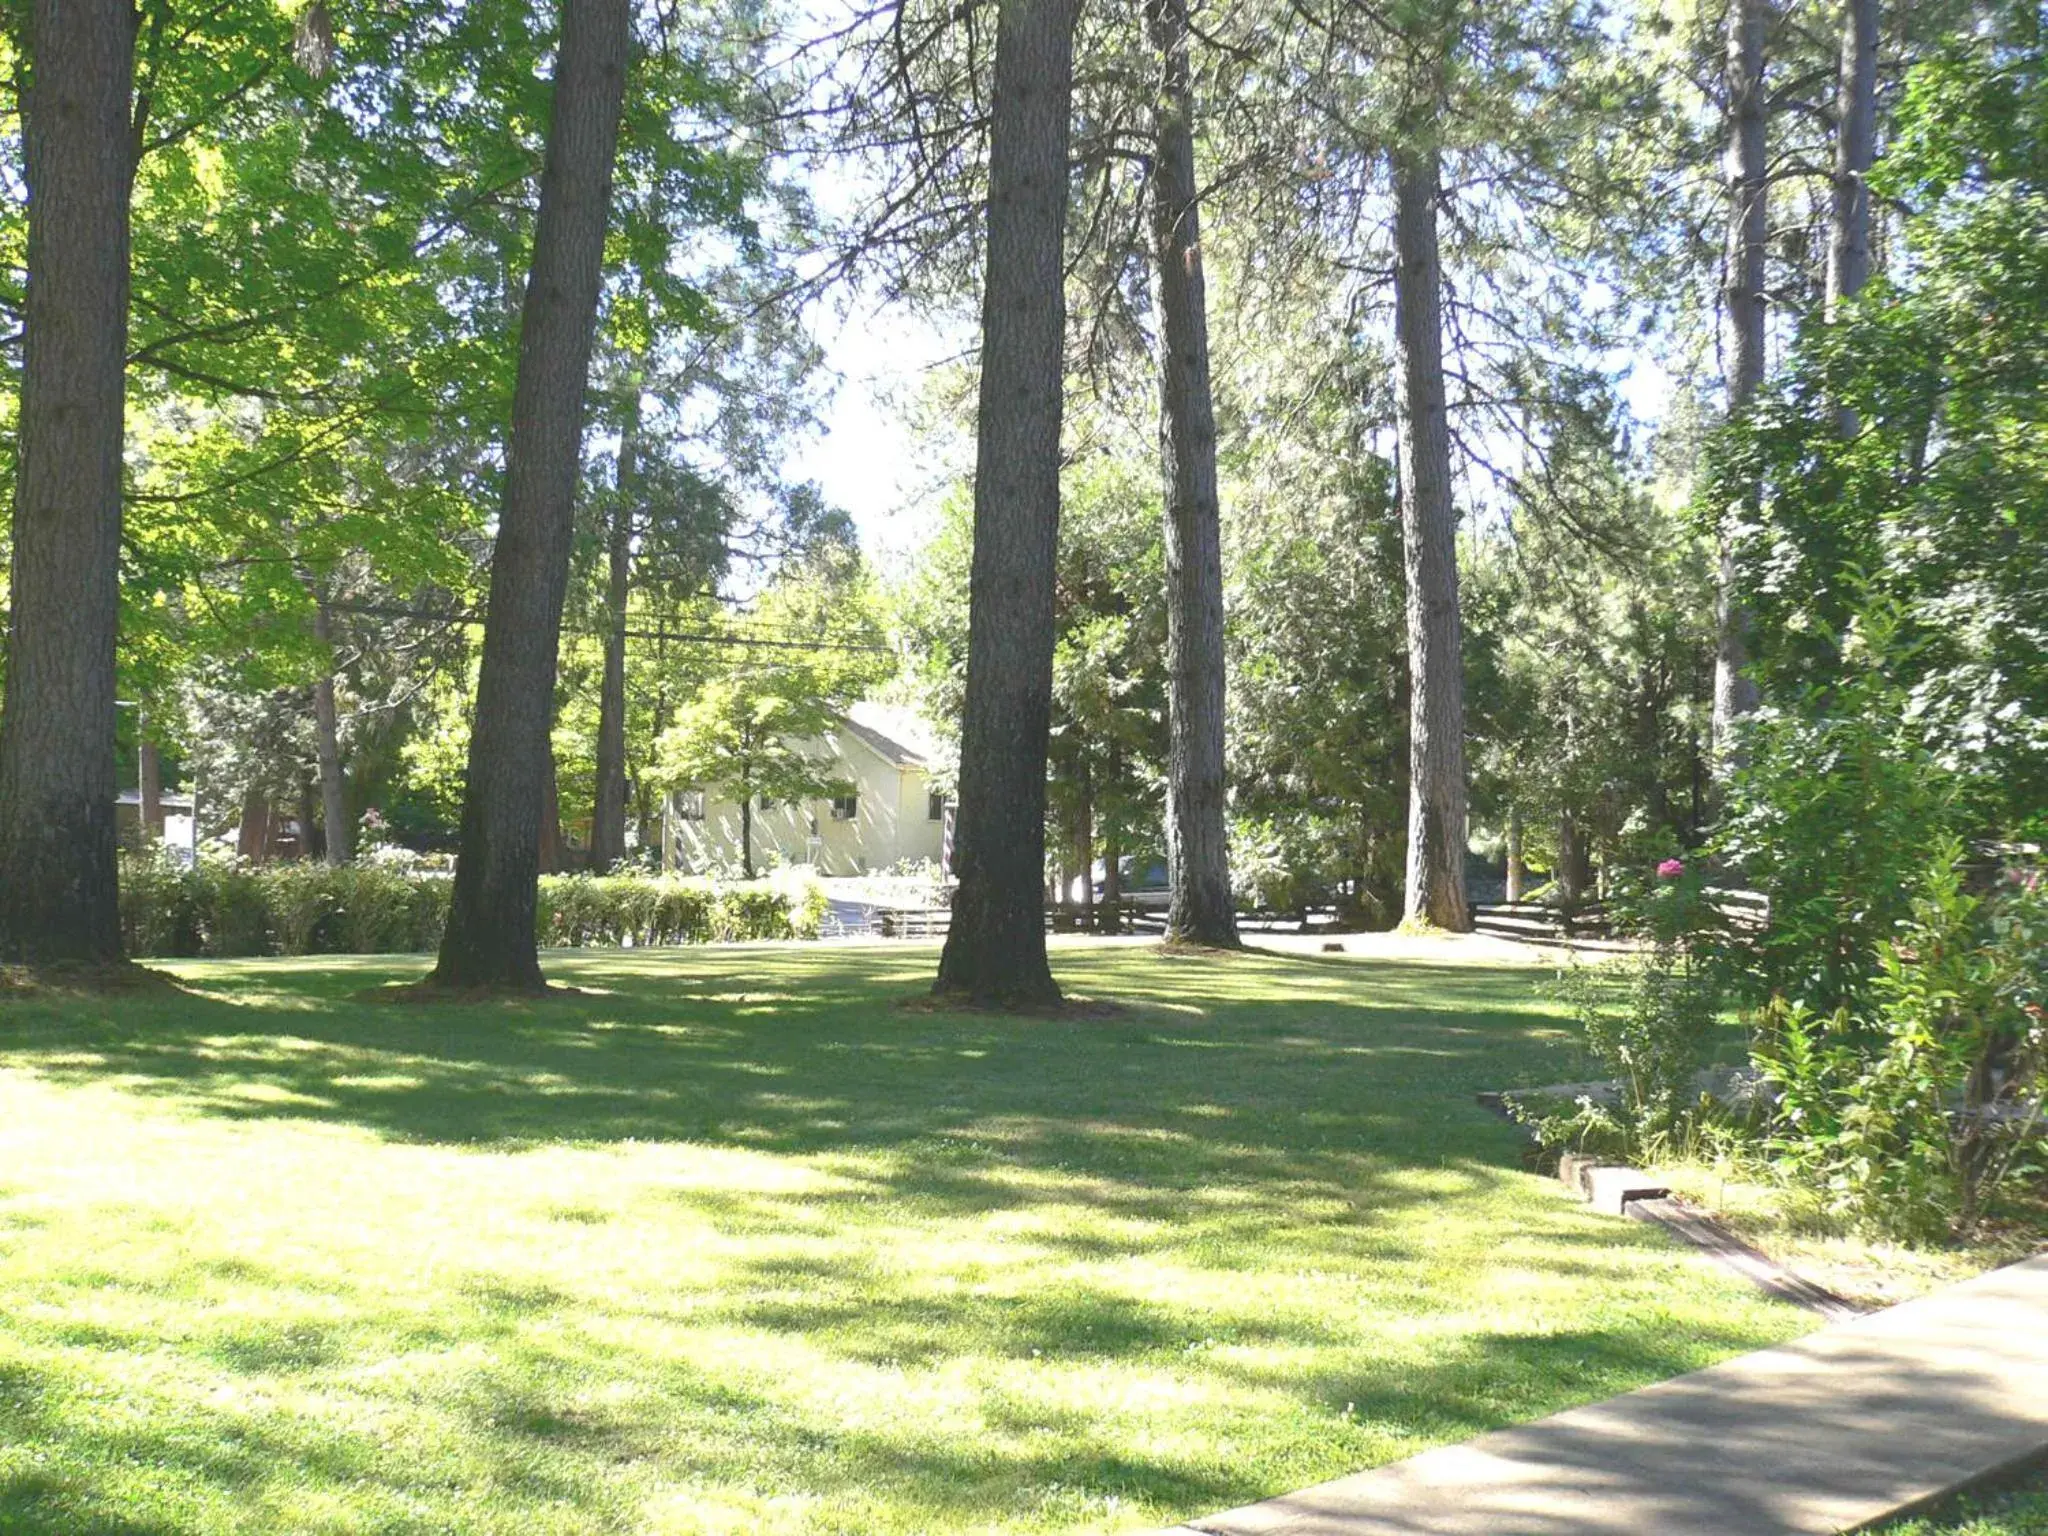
[(800, 1052), (1287, 1082), (1237, 1108)]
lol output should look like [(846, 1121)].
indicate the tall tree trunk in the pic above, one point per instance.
[(252, 839), (1084, 843), (651, 809), (995, 948), (554, 850), (1743, 342), (1855, 153), (1517, 872), (58, 872), (608, 807), (489, 939), (747, 825), (1197, 843), (334, 820), (149, 785), (310, 844), (1571, 861), (1109, 918), (1429, 532)]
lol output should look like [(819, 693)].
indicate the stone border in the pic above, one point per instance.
[(1614, 1189), (1617, 1190)]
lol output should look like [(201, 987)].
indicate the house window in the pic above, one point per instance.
[(845, 807), (690, 805), (934, 807)]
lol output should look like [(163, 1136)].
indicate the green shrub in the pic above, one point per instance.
[(296, 898), (1649, 1020), (234, 915), (806, 913), (228, 909), (1911, 1115), (380, 911), (158, 911), (1839, 808)]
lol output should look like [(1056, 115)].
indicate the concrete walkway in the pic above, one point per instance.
[(1842, 1428)]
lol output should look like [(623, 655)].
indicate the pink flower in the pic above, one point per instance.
[(1670, 869)]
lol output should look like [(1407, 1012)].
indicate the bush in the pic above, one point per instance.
[(1910, 1116), (158, 913), (1840, 807), (1649, 1020), (225, 908)]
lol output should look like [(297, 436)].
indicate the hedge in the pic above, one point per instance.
[(224, 909)]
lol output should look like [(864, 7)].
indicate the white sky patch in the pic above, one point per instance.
[(867, 458)]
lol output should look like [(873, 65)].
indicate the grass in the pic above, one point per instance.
[(732, 1243), (2016, 1506)]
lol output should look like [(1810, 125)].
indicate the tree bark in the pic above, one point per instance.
[(995, 948), (58, 870), (1109, 917), (1517, 873), (310, 846), (334, 822), (608, 807), (1429, 528), (489, 940), (252, 837), (1743, 341), (1855, 153), (149, 786), (1084, 843), (554, 850), (1572, 871), (1197, 842)]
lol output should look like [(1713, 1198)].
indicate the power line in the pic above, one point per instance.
[(661, 633)]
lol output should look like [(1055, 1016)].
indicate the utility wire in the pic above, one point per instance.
[(661, 633)]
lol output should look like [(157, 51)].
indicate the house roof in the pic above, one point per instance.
[(889, 731)]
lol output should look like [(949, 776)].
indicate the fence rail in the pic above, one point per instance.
[(937, 922)]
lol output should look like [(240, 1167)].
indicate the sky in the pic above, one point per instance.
[(868, 461)]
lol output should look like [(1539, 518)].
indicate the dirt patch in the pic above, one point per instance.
[(1066, 1008), (1172, 949), (119, 978), (430, 994)]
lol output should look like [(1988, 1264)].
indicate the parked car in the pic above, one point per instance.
[(1143, 881)]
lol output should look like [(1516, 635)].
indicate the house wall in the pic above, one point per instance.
[(891, 822)]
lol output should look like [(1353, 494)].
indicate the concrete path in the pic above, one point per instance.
[(1844, 1427)]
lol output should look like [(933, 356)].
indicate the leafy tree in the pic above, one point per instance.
[(1592, 686), (1929, 526), (810, 649), (1319, 674)]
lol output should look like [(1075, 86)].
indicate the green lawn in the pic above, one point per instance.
[(735, 1244), (2017, 1507)]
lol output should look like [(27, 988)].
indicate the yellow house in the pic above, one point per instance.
[(893, 815)]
